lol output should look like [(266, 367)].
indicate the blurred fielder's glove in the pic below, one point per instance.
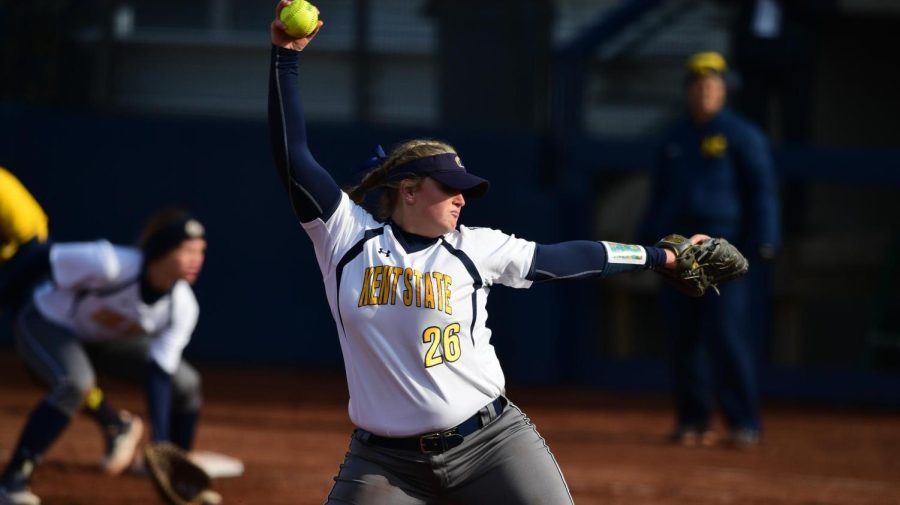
[(178, 480), (702, 266)]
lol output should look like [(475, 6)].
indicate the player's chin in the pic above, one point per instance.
[(191, 277)]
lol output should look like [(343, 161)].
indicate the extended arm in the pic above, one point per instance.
[(312, 191), (582, 259)]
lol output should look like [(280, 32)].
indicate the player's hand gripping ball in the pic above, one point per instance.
[(300, 18)]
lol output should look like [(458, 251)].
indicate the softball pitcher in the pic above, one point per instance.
[(408, 292), (128, 312)]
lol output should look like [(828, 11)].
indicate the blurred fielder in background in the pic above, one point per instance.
[(714, 172), (126, 312), (408, 293), (25, 254)]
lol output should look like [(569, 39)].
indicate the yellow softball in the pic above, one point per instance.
[(300, 18)]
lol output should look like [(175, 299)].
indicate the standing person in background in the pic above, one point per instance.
[(714, 172), (124, 311), (408, 293)]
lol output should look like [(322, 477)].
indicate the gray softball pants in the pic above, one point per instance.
[(66, 364), (505, 462)]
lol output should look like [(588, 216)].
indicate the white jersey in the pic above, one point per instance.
[(95, 293), (412, 326)]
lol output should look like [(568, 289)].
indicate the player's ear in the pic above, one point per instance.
[(408, 191)]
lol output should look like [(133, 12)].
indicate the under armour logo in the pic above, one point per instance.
[(387, 254)]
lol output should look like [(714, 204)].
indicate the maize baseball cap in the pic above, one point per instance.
[(706, 63)]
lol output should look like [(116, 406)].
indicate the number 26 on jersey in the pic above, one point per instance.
[(443, 345)]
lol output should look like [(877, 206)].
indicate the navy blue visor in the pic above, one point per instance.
[(446, 169)]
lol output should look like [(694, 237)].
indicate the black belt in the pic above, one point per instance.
[(439, 441)]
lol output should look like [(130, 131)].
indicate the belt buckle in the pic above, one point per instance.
[(431, 437), (438, 441)]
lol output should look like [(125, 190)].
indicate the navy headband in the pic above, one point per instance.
[(171, 236), (445, 168)]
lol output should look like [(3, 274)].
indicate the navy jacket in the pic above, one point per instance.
[(718, 179)]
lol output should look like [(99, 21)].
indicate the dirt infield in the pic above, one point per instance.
[(291, 431)]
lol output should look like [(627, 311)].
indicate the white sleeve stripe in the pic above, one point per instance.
[(305, 192), (586, 273)]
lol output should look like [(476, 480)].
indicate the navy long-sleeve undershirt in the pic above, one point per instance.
[(583, 259), (312, 191)]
